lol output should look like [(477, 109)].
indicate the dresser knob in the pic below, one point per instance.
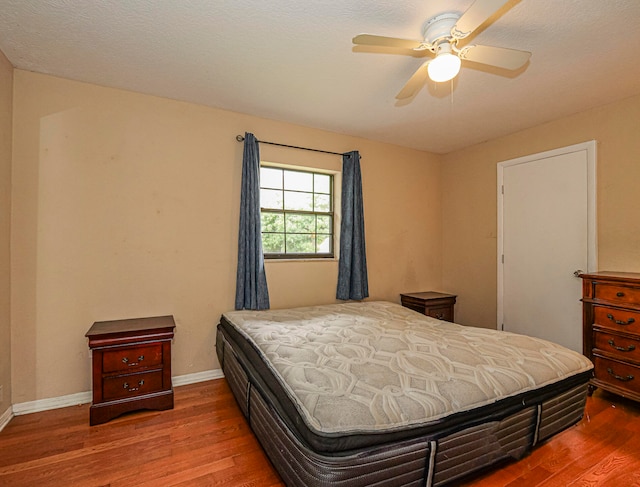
[(620, 294)]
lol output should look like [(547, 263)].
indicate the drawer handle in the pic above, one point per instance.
[(133, 389), (630, 348), (125, 360), (440, 316), (619, 322), (619, 377), (620, 294)]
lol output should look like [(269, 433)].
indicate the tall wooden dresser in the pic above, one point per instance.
[(611, 330)]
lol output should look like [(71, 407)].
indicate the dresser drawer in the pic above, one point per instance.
[(124, 386), (131, 358), (616, 293), (617, 319), (625, 348), (618, 374)]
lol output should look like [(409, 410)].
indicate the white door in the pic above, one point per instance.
[(546, 232)]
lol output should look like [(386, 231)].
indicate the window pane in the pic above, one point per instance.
[(324, 224), (272, 222), (301, 243), (298, 181), (270, 178), (271, 198), (324, 243), (273, 243), (298, 201), (296, 212), (322, 183), (322, 202), (301, 223)]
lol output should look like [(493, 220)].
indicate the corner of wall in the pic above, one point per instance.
[(6, 161)]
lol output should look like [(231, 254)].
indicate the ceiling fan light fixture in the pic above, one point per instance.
[(441, 36), (445, 66)]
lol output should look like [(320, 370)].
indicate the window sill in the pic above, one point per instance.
[(329, 259)]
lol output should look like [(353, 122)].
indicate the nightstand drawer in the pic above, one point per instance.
[(119, 360), (442, 313), (124, 386)]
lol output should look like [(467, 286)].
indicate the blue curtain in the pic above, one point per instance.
[(251, 281), (352, 268)]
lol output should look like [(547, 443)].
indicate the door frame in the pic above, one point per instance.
[(592, 231)]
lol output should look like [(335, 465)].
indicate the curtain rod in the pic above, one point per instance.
[(240, 138)]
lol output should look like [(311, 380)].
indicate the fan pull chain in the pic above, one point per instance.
[(451, 96)]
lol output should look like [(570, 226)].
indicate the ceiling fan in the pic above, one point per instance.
[(441, 35)]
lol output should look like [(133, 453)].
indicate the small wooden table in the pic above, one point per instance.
[(431, 303), (131, 366)]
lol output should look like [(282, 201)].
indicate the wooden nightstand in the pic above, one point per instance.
[(131, 366), (436, 305)]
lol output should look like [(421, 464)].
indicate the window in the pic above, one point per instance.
[(296, 213)]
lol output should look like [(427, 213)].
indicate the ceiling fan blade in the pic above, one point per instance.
[(475, 15), (415, 82), (381, 41), (500, 57)]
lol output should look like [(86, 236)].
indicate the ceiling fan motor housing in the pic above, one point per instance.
[(439, 28)]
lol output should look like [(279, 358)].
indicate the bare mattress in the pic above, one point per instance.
[(371, 393)]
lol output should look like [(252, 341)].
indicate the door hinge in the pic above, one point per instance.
[(502, 326), (502, 189), (503, 258)]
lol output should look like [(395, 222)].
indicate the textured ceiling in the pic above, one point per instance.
[(294, 60)]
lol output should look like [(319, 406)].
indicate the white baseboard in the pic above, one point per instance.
[(183, 380), (51, 403), (85, 397), (6, 417)]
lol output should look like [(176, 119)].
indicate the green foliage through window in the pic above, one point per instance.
[(296, 213)]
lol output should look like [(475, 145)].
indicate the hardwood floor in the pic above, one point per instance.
[(205, 441), (601, 450)]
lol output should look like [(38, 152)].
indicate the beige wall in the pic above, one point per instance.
[(469, 181), (6, 96), (126, 205)]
